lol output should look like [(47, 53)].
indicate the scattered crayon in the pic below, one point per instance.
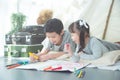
[(48, 68), (23, 62), (13, 66), (79, 73), (57, 68)]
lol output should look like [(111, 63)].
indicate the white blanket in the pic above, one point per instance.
[(114, 67)]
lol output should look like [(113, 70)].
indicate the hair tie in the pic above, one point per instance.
[(83, 23)]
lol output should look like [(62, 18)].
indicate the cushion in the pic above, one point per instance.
[(108, 58)]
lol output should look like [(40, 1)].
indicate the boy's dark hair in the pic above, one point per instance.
[(53, 25)]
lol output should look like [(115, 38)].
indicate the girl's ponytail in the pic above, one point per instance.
[(83, 27)]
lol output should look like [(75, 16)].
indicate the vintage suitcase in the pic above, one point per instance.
[(27, 38), (21, 50), (8, 39), (33, 34), (34, 29)]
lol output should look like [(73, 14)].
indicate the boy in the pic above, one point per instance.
[(55, 40)]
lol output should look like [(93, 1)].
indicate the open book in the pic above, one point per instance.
[(54, 65)]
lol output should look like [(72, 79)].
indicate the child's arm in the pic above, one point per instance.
[(51, 56), (36, 57), (97, 50), (42, 52)]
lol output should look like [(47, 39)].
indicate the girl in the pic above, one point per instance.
[(89, 48)]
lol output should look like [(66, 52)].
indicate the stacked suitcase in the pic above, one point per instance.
[(21, 50), (29, 35), (27, 40)]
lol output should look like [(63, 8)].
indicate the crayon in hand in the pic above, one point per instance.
[(35, 56)]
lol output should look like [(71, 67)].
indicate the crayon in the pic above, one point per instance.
[(23, 62), (10, 64), (13, 66), (80, 74), (77, 72), (57, 68), (19, 62), (35, 56), (48, 68)]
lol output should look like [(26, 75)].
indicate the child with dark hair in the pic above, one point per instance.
[(56, 38), (89, 48)]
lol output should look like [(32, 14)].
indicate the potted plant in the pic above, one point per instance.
[(17, 20)]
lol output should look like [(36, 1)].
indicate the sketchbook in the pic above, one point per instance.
[(54, 65)]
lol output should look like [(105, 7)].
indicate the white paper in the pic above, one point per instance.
[(66, 65)]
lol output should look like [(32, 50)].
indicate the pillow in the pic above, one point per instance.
[(108, 58)]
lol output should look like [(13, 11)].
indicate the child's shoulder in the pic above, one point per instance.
[(66, 33), (67, 36), (94, 40)]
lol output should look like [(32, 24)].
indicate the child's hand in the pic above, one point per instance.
[(34, 57), (67, 49), (80, 53)]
